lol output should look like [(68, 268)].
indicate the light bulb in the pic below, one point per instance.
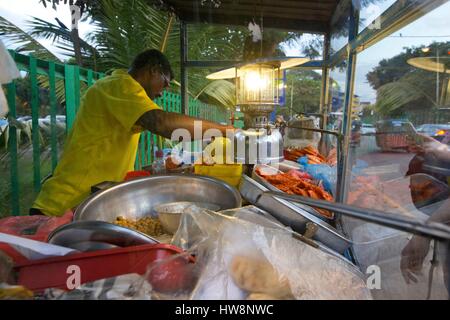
[(254, 81)]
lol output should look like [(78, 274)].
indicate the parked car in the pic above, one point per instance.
[(436, 131), (393, 134), (368, 129)]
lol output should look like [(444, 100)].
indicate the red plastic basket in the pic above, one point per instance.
[(168, 276)]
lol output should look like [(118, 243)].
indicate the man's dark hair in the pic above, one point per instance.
[(152, 58)]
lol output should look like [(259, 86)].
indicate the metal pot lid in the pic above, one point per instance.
[(98, 231)]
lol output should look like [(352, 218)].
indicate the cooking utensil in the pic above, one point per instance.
[(292, 214), (170, 213), (296, 217), (135, 199), (97, 234)]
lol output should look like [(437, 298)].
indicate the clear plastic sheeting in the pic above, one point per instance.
[(125, 287), (238, 259), (408, 267)]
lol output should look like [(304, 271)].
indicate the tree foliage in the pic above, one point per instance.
[(402, 87), (302, 92), (120, 33)]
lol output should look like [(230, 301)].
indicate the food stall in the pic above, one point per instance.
[(284, 218)]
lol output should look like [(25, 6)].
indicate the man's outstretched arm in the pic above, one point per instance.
[(164, 123)]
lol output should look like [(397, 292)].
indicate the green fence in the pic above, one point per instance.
[(27, 168)]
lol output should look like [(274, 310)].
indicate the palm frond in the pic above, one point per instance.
[(39, 28), (395, 95), (222, 91), (25, 42)]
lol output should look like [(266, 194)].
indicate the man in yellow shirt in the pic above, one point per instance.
[(102, 143)]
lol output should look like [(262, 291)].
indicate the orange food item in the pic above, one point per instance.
[(314, 157), (293, 184), (332, 157), (170, 164)]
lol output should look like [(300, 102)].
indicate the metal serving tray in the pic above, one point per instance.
[(284, 167), (292, 215)]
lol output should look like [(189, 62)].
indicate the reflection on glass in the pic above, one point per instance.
[(339, 31), (402, 164), (398, 265), (370, 10), (337, 96)]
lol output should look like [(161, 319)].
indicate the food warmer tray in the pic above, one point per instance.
[(269, 186), (292, 215)]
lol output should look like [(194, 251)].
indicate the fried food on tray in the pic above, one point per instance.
[(302, 186), (313, 155), (147, 225), (258, 276)]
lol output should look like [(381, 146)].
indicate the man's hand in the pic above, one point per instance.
[(413, 255), (429, 146), (439, 150), (416, 142)]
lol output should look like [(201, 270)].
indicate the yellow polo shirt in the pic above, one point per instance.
[(102, 144)]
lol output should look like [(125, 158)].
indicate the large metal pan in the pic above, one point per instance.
[(137, 198)]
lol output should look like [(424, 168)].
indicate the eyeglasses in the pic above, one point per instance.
[(166, 79)]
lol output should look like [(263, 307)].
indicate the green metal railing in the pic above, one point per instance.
[(40, 71), (74, 79)]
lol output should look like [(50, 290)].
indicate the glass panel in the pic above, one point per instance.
[(371, 10), (337, 84), (339, 29), (397, 264), (304, 45), (400, 156)]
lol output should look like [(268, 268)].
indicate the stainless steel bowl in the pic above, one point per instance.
[(137, 198), (170, 213)]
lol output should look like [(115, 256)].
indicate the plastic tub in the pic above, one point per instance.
[(168, 276), (230, 173)]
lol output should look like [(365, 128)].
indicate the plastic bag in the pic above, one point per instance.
[(239, 259), (6, 266), (8, 72), (327, 174), (33, 227), (124, 287)]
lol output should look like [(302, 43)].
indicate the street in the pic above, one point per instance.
[(379, 179)]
